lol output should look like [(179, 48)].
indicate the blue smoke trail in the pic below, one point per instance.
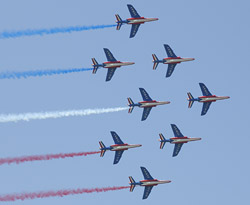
[(39, 73), (41, 32)]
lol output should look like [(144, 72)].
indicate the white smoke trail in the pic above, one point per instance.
[(56, 114)]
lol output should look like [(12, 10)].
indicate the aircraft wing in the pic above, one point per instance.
[(134, 30), (110, 73), (145, 95), (176, 131), (204, 90), (145, 113), (109, 55), (147, 191), (170, 69), (116, 138), (146, 174), (177, 149), (169, 51), (118, 155), (205, 107), (133, 12)]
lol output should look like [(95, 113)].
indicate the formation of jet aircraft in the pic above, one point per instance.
[(136, 20), (149, 182), (178, 140), (111, 64), (147, 104), (206, 99), (172, 60), (119, 147)]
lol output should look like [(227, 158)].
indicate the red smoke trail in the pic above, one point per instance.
[(18, 160), (61, 193)]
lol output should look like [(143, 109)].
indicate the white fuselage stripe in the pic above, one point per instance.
[(178, 60), (183, 140), (110, 65), (153, 183), (124, 147), (212, 99), (134, 21), (153, 104)]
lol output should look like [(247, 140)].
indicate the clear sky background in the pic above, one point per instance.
[(214, 170)]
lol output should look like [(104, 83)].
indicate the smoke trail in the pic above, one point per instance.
[(60, 193), (18, 160), (26, 74), (56, 114), (41, 32)]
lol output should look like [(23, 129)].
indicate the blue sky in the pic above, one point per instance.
[(214, 170)]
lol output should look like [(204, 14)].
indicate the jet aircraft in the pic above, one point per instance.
[(146, 104), (172, 60), (112, 64), (206, 99), (119, 147), (136, 20), (148, 182), (178, 140)]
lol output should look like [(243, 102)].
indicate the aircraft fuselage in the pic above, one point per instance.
[(118, 147), (116, 64), (154, 182), (212, 98), (140, 20), (152, 103), (176, 60), (176, 140)]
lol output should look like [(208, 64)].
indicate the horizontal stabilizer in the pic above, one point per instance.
[(161, 136), (102, 153), (119, 22), (119, 25), (156, 61), (190, 99), (162, 140), (130, 102), (102, 146), (118, 18), (130, 109), (132, 183), (95, 64)]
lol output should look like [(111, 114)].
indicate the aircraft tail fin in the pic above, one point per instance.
[(130, 103), (132, 183), (190, 99), (101, 148), (119, 22), (162, 138), (95, 64), (155, 61)]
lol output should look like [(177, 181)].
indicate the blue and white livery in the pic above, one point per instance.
[(149, 182), (111, 64), (136, 20), (146, 104), (119, 147), (206, 99), (178, 140), (172, 60)]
